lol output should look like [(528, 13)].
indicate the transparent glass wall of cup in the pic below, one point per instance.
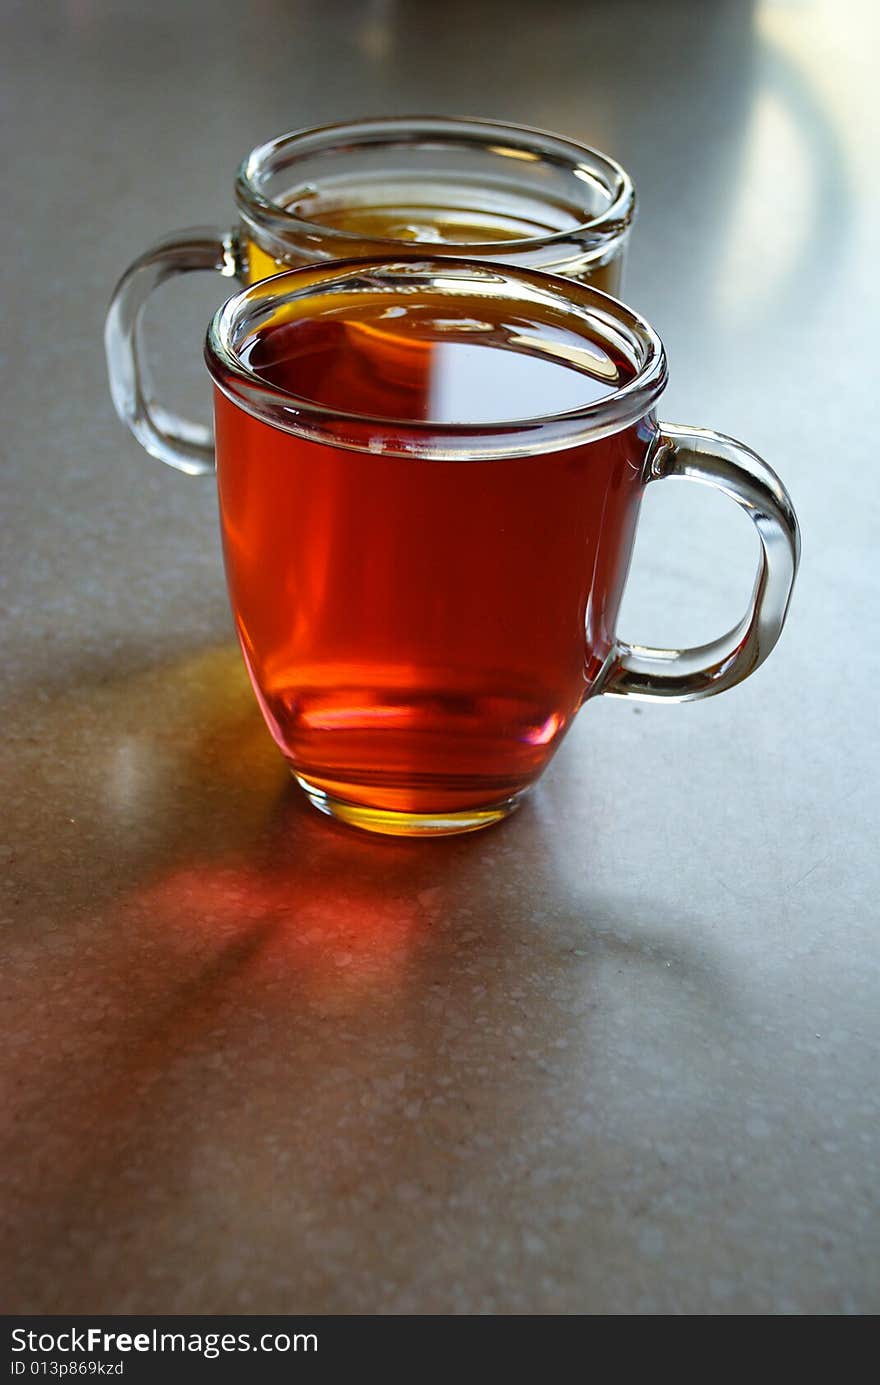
[(429, 476), (477, 188)]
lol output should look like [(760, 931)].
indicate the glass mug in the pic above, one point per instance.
[(429, 476), (368, 188)]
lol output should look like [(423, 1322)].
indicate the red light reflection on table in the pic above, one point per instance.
[(336, 912)]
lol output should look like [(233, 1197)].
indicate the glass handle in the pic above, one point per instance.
[(683, 675), (187, 446)]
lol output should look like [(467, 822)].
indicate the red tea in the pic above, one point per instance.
[(421, 632)]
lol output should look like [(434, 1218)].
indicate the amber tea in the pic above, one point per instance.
[(420, 213), (415, 629), (429, 474)]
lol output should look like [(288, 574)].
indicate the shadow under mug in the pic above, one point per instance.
[(478, 188), (424, 606)]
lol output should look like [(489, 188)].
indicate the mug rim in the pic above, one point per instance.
[(424, 438), (613, 221)]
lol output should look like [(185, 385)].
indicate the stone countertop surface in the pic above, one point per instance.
[(618, 1055)]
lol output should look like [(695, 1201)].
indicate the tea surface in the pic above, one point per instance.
[(428, 362), (427, 213)]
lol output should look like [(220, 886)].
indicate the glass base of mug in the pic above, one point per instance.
[(394, 823)]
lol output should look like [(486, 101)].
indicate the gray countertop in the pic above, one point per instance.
[(618, 1055)]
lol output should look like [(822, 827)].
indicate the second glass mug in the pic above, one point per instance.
[(425, 575), (476, 188)]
